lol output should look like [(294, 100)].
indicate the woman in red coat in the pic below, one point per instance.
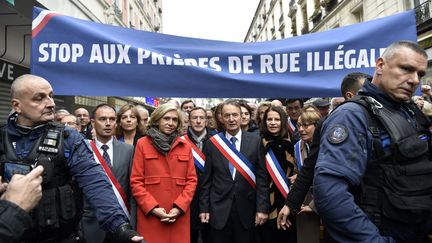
[(163, 179)]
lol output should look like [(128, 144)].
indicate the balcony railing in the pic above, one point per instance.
[(117, 11), (423, 12)]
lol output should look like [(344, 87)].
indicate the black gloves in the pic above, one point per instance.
[(123, 234)]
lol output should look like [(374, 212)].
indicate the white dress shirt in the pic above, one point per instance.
[(109, 151)]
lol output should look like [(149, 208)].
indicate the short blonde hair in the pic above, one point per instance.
[(161, 111), (309, 116)]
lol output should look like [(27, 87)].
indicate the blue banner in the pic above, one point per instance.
[(80, 57)]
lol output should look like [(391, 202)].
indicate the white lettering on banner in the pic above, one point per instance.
[(325, 60), (362, 58), (280, 63), (62, 52), (176, 60), (110, 53)]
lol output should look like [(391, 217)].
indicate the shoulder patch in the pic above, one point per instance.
[(337, 134)]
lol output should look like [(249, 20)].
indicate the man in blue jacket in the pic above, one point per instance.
[(30, 138), (373, 176)]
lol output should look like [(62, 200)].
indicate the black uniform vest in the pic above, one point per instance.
[(59, 211), (397, 184)]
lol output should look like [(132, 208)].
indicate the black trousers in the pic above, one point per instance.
[(201, 235), (233, 232)]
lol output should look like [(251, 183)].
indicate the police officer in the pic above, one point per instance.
[(373, 176), (19, 197), (31, 138)]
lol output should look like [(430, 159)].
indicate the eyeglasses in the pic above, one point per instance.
[(69, 123), (305, 125)]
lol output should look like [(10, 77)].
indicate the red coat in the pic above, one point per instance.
[(158, 180)]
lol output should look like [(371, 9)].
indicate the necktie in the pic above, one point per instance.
[(106, 155), (231, 167)]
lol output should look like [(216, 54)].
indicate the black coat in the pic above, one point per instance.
[(13, 222), (305, 176), (219, 189), (284, 153), (194, 206)]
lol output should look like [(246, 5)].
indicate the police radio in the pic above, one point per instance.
[(10, 168)]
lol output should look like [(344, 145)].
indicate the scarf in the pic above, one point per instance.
[(198, 139), (162, 142)]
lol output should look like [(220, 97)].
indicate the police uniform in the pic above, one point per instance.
[(345, 176), (69, 167)]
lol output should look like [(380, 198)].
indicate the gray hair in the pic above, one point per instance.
[(396, 46)]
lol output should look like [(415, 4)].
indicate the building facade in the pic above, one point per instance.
[(136, 14), (279, 19), (15, 41)]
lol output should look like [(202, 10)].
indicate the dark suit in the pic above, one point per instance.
[(232, 204), (197, 228), (122, 162)]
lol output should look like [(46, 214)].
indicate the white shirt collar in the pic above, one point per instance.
[(110, 151), (109, 143), (238, 136)]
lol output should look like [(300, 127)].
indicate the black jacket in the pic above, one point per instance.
[(194, 206), (305, 176), (283, 151), (13, 222), (219, 189)]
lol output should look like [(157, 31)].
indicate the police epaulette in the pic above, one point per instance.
[(56, 124)]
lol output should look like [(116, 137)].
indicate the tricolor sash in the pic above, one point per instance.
[(277, 174), (298, 154), (199, 158), (291, 126), (238, 160), (118, 190)]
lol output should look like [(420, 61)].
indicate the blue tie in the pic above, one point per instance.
[(106, 155), (231, 167)]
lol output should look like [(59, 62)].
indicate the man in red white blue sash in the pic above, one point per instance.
[(197, 135), (115, 156), (293, 109), (234, 194)]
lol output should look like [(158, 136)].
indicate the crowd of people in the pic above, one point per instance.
[(354, 168)]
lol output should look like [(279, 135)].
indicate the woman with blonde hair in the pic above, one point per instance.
[(128, 128), (163, 179), (308, 222)]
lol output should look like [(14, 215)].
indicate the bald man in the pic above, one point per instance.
[(32, 138), (84, 117)]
